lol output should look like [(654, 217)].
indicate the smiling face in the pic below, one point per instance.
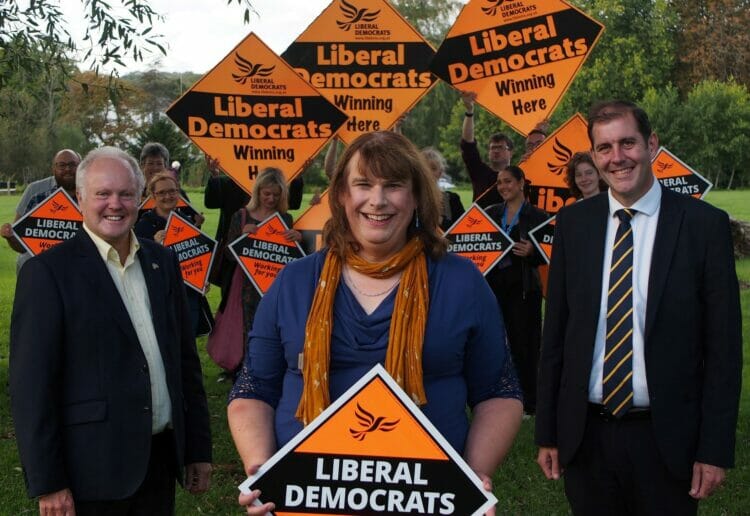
[(509, 188), (109, 201), (623, 157), (64, 169), (587, 179), (500, 154), (166, 194), (378, 212)]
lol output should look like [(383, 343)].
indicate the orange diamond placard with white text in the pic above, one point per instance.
[(674, 174), (194, 249), (54, 220), (477, 237)]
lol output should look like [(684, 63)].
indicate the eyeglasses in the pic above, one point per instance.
[(166, 193), (154, 164), (66, 164), (499, 148)]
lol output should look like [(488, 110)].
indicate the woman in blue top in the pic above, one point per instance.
[(383, 291)]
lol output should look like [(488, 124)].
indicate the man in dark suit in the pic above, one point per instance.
[(640, 370), (105, 381)]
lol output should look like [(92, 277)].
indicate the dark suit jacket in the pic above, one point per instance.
[(79, 382), (693, 341)]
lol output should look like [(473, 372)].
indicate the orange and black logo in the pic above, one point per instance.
[(662, 167), (353, 15), (57, 207), (368, 423), (492, 7), (249, 70), (562, 155)]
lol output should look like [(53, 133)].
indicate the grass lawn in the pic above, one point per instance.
[(520, 486)]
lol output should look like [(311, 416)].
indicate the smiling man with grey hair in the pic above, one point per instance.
[(107, 395)]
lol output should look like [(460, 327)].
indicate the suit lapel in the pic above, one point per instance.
[(157, 291), (595, 229), (101, 285), (667, 231)]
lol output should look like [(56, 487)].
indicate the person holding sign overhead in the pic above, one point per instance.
[(515, 280), (641, 366), (500, 151), (383, 290)]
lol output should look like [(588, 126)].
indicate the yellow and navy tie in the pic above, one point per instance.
[(617, 377)]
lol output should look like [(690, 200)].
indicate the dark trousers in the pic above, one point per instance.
[(154, 497), (617, 471)]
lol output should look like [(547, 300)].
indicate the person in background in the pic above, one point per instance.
[(165, 190), (515, 280), (582, 177), (500, 151), (64, 166), (345, 309), (641, 366), (106, 386), (270, 196), (535, 138), (451, 207)]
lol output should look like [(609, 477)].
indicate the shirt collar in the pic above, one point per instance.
[(108, 252), (647, 205)]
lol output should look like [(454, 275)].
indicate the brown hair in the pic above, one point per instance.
[(390, 156), (161, 176), (570, 173), (607, 111)]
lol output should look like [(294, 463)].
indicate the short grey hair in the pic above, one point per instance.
[(153, 149), (432, 155), (110, 153)]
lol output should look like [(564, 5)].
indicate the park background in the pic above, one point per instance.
[(686, 62)]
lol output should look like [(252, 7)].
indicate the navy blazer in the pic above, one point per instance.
[(79, 382), (693, 335)]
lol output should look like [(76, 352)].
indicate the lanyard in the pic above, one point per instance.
[(507, 227)]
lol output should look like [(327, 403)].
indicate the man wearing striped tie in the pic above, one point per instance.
[(640, 370)]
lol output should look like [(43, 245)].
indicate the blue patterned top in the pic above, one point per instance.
[(465, 358)]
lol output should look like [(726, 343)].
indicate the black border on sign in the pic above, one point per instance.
[(202, 292), (31, 211)]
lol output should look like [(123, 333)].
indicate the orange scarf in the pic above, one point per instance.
[(403, 359)]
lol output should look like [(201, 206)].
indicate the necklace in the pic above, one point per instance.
[(350, 282)]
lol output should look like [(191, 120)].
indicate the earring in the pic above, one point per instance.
[(416, 219)]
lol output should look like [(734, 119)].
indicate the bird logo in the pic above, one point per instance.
[(494, 5), (249, 69), (663, 166), (176, 230), (57, 207), (353, 15), (471, 221), (562, 155), (368, 423)]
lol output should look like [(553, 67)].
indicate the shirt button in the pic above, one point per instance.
[(146, 408)]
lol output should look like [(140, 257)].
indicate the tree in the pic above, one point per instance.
[(713, 41)]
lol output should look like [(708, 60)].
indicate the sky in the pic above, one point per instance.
[(199, 33)]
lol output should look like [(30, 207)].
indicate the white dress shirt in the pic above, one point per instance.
[(131, 285), (644, 224)]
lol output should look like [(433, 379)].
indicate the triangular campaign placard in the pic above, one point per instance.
[(519, 57), (477, 237), (253, 111), (183, 207), (311, 223), (371, 452), (674, 174), (543, 237), (367, 60), (54, 220), (264, 253), (194, 249)]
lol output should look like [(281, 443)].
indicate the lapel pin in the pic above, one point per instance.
[(155, 265)]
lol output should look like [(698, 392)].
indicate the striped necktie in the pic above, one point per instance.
[(617, 377)]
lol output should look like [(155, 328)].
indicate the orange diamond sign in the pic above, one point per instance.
[(194, 249), (253, 111), (366, 59), (54, 220), (519, 56), (371, 452), (264, 253), (674, 174), (477, 237), (311, 223)]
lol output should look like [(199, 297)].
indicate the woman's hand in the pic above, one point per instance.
[(523, 248), (159, 236), (292, 235), (250, 228), (247, 500), (199, 219), (212, 164), (487, 485)]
